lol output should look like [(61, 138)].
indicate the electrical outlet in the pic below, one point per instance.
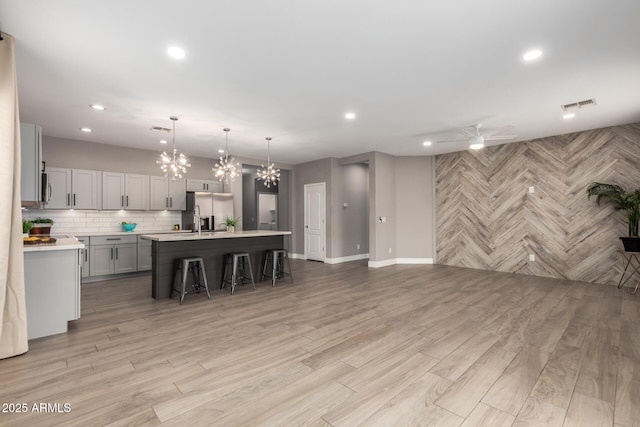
[(532, 190), (389, 250), (357, 246), (532, 257)]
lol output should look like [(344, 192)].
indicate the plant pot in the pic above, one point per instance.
[(231, 229), (40, 230), (631, 244)]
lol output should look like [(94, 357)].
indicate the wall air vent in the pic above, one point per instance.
[(160, 129), (580, 104)]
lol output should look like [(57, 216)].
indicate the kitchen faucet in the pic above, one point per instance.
[(197, 215)]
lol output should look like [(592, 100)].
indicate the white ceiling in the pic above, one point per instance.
[(290, 69)]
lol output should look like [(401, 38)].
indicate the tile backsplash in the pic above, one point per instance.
[(77, 222)]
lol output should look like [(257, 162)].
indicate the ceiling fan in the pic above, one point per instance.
[(476, 139)]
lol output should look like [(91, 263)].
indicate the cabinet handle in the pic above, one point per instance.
[(85, 255), (113, 238), (122, 201), (68, 199), (166, 202), (111, 250), (116, 253), (50, 192), (127, 201), (170, 202), (74, 199)]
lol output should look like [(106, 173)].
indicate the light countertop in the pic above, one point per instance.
[(124, 233), (61, 244), (215, 235)]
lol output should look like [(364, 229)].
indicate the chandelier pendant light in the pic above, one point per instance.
[(269, 174), (173, 165), (225, 170)]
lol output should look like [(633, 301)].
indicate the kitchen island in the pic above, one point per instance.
[(52, 286), (165, 248)]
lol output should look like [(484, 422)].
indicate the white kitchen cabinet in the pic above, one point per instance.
[(72, 189), (84, 254), (206, 185), (125, 191), (31, 164), (144, 254), (52, 289), (113, 255), (167, 194)]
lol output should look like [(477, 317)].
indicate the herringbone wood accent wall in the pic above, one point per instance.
[(487, 219)]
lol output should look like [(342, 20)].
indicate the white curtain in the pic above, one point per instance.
[(13, 312)]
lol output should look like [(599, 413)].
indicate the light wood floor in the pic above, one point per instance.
[(343, 346)]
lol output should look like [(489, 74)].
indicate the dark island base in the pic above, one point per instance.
[(212, 251)]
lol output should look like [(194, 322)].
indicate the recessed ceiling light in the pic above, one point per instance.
[(476, 146), (221, 151), (532, 55), (426, 143), (87, 130), (97, 107), (176, 52), (163, 141), (569, 116), (350, 116)]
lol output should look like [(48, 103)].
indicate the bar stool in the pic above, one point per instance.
[(237, 262), (183, 266), (277, 258)]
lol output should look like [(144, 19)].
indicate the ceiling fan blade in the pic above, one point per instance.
[(498, 130), (499, 137), (452, 140), (468, 132)]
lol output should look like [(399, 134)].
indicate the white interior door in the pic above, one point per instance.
[(314, 221)]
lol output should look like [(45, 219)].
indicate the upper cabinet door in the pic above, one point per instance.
[(196, 185), (206, 185), (112, 190), (177, 194), (158, 193), (136, 192), (84, 184), (59, 188)]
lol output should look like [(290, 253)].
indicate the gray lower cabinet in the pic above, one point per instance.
[(144, 254), (84, 254), (113, 255)]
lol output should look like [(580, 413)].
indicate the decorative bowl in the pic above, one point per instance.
[(128, 227)]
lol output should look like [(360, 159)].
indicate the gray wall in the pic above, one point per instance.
[(249, 219), (351, 223), (414, 209), (285, 205), (383, 200), (402, 189)]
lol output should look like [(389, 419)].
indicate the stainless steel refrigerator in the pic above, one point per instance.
[(213, 208)]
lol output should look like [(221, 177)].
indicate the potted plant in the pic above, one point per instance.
[(26, 226), (231, 224), (41, 226), (622, 200)]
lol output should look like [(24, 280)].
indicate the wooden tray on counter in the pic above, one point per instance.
[(38, 240)]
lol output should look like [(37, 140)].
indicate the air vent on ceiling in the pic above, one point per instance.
[(580, 104), (160, 129)]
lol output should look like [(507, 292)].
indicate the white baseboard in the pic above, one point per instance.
[(393, 261), (346, 258), (414, 260), (296, 256), (383, 263)]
